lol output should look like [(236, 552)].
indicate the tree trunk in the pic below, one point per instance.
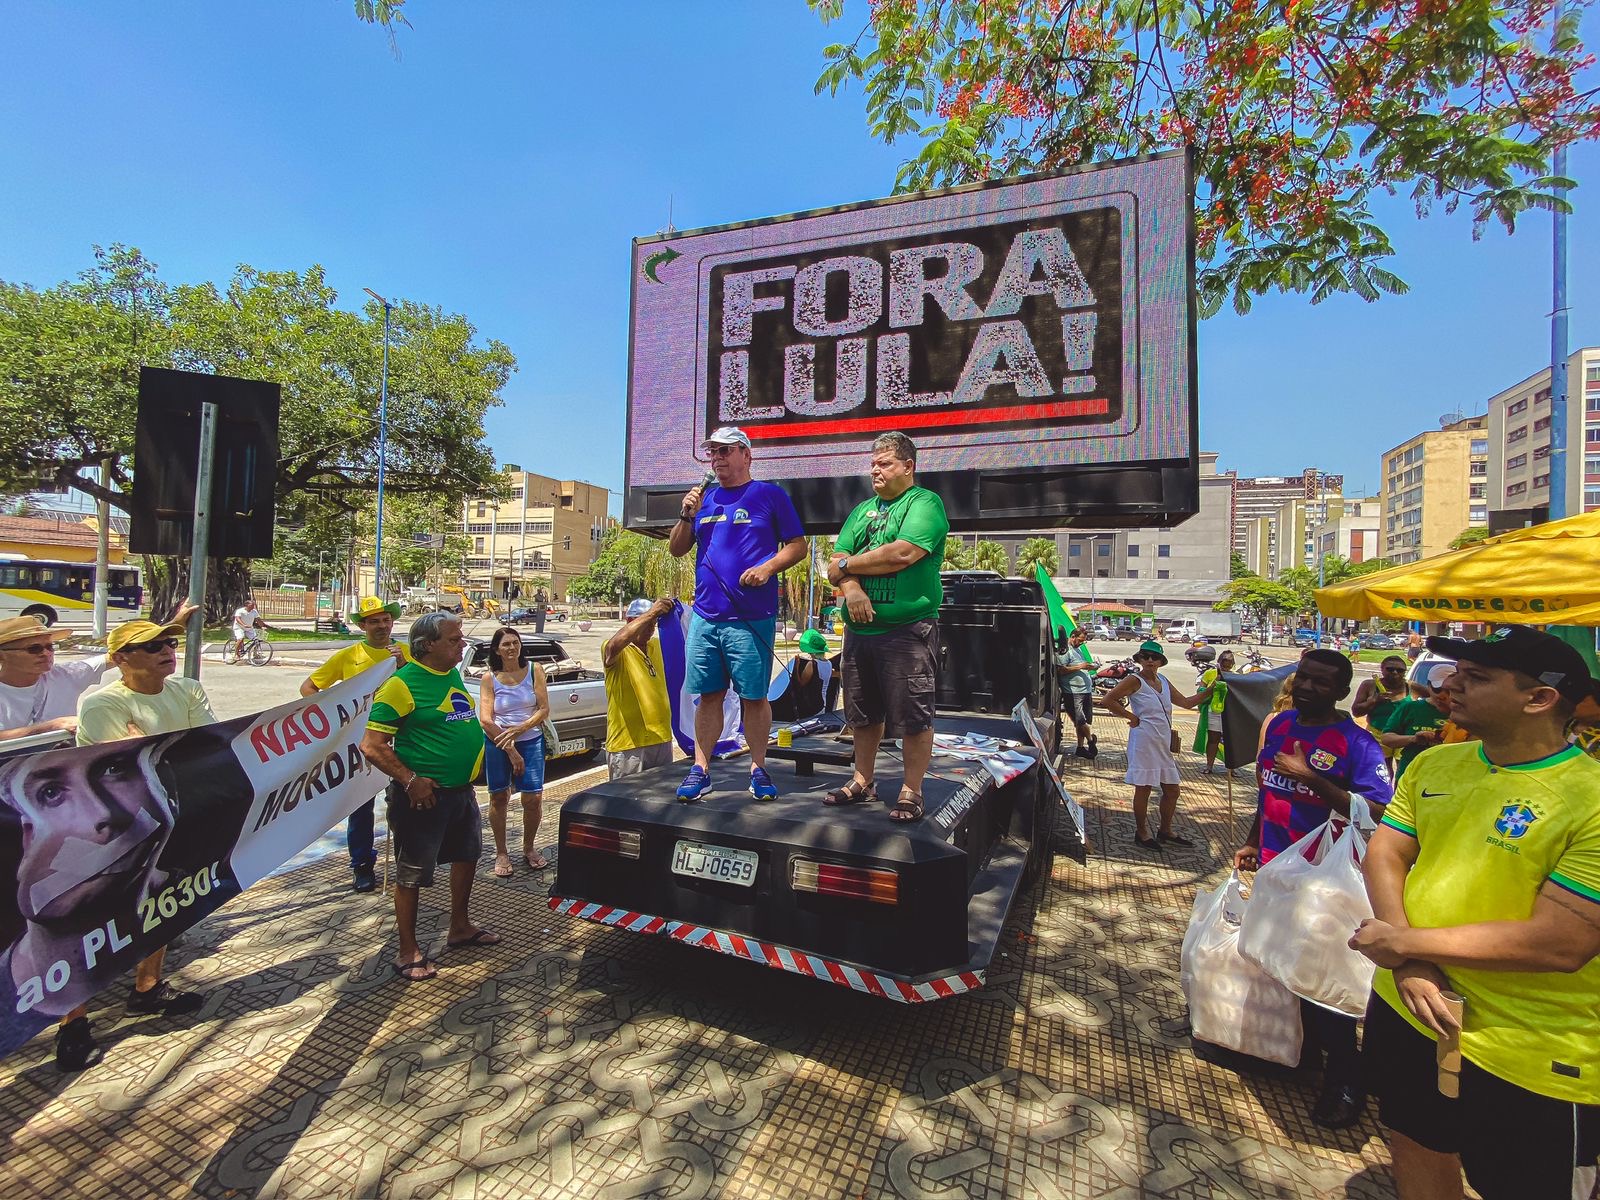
[(166, 582)]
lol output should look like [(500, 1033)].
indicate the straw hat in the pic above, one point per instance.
[(371, 606), (16, 629)]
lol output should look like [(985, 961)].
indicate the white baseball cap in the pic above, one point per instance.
[(728, 435)]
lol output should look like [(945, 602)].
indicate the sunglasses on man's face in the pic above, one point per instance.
[(36, 648), (168, 643)]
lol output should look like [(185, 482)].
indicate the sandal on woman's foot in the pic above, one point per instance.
[(853, 792), (907, 808), (536, 861), (416, 972), (502, 866)]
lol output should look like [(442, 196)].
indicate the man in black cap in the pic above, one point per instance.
[(1484, 876)]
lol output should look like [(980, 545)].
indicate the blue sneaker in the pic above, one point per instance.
[(761, 786), (695, 784)]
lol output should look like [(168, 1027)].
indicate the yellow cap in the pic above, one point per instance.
[(131, 633)]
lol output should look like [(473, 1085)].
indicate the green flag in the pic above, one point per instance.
[(1061, 622)]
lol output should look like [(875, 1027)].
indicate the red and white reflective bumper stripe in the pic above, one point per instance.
[(796, 962)]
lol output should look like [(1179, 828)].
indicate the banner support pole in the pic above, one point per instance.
[(200, 542)]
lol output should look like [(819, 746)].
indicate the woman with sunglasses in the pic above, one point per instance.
[(512, 707)]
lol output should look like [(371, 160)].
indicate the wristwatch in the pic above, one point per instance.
[(844, 565)]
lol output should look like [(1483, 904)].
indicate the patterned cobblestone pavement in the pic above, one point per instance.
[(575, 1060)]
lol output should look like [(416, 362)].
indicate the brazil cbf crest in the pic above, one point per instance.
[(1514, 820)]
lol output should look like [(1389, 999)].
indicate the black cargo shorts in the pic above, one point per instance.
[(891, 677)]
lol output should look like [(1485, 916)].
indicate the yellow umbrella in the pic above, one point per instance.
[(1545, 575)]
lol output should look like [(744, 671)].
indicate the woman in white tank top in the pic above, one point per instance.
[(512, 707), (1145, 699)]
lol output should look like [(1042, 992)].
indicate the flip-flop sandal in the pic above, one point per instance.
[(907, 808), (509, 869), (543, 863), (484, 937), (852, 793), (408, 971)]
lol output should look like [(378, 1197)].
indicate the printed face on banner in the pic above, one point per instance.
[(93, 824)]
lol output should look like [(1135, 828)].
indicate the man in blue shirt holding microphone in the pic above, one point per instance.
[(744, 533)]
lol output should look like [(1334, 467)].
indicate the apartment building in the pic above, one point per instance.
[(1264, 495), (1355, 532), (548, 529), (1177, 567), (1518, 479), (1434, 486)]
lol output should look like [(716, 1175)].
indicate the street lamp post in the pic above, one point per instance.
[(383, 442)]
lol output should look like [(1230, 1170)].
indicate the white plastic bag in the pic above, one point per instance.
[(1303, 908), (1233, 1003)]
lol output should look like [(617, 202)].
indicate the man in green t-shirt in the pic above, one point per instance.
[(886, 567), (1412, 726), (423, 733), (1484, 876)]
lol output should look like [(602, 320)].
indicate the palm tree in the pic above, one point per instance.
[(957, 557), (992, 556), (1038, 552)]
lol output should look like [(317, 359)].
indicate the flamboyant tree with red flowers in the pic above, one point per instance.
[(1299, 112)]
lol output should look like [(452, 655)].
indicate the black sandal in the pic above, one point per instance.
[(907, 808), (852, 793)]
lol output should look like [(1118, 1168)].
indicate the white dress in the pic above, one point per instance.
[(1150, 761)]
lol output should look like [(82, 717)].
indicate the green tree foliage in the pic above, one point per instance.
[(1298, 112), (957, 555), (1038, 552), (69, 371), (1237, 567), (1470, 537), (991, 556), (1260, 597), (630, 564)]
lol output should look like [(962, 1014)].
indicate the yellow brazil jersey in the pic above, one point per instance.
[(1488, 839), (351, 661), (637, 711)]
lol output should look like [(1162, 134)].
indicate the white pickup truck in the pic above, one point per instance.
[(577, 695)]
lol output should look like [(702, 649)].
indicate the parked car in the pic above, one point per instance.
[(1305, 637), (1101, 631), (528, 616), (1382, 641)]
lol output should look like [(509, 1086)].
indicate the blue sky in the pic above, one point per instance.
[(501, 166)]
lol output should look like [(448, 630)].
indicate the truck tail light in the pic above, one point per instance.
[(621, 842), (875, 884)]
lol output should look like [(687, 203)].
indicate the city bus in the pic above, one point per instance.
[(49, 588)]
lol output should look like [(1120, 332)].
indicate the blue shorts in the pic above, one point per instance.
[(497, 766), (718, 652)]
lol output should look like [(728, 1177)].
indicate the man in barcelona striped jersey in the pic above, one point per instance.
[(1313, 759)]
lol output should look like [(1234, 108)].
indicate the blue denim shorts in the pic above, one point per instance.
[(497, 766), (720, 652)]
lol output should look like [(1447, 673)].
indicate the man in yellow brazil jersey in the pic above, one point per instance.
[(376, 621), (1484, 877)]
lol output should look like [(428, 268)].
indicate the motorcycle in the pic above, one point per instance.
[(1253, 660), (1200, 655), (1111, 674)]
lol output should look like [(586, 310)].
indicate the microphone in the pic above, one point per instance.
[(710, 478)]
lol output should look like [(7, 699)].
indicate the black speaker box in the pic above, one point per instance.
[(994, 646)]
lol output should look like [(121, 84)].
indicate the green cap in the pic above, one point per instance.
[(1153, 647), (812, 642)]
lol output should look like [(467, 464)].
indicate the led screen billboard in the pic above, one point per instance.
[(1035, 338)]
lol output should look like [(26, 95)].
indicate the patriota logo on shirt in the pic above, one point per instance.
[(457, 706)]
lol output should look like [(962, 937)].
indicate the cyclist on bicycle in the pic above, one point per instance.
[(247, 626)]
